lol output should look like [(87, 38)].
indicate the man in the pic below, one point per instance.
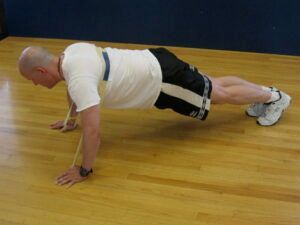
[(138, 79)]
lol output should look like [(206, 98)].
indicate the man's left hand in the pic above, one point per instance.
[(70, 177)]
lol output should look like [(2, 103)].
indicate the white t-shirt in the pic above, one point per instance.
[(134, 80)]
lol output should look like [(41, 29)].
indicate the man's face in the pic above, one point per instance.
[(41, 77)]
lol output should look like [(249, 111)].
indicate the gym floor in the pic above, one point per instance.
[(154, 167)]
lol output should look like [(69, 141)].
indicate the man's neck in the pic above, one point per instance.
[(58, 61)]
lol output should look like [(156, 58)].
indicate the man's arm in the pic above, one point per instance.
[(71, 103), (90, 119), (71, 124)]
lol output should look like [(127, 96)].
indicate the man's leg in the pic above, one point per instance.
[(234, 90), (233, 80)]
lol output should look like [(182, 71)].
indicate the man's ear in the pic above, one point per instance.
[(41, 70)]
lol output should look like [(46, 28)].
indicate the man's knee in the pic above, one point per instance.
[(217, 81), (217, 93)]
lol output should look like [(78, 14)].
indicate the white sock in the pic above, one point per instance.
[(266, 89), (274, 97)]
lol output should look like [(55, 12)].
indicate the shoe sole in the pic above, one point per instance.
[(285, 108)]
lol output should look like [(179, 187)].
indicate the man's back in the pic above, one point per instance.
[(134, 77)]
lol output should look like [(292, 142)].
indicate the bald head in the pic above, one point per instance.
[(32, 57)]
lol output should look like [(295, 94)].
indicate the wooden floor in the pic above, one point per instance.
[(154, 167)]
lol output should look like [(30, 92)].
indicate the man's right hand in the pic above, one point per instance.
[(71, 125)]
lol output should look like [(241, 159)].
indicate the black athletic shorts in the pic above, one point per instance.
[(184, 89)]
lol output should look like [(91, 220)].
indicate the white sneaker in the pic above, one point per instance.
[(258, 109), (274, 110)]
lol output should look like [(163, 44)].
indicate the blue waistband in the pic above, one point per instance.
[(107, 67)]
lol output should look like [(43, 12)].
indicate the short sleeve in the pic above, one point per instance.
[(84, 92)]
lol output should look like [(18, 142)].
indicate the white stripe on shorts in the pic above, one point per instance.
[(185, 94)]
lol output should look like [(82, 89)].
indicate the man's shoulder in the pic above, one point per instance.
[(79, 45)]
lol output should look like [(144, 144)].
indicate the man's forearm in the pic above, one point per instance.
[(91, 143), (73, 111), (71, 103), (91, 135)]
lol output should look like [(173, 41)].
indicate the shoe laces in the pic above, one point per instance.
[(270, 108)]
